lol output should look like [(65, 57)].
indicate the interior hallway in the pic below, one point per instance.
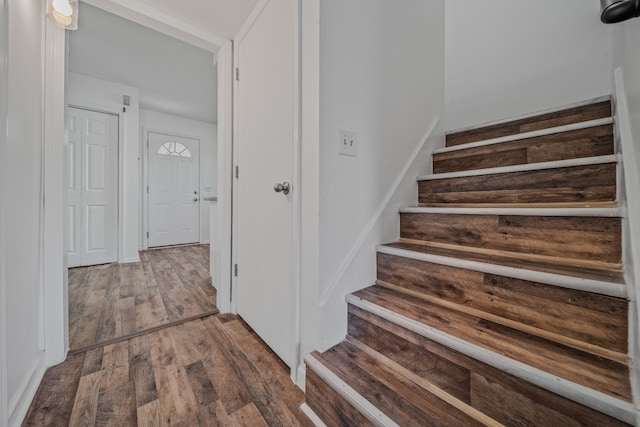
[(112, 302), (207, 372), (156, 354)]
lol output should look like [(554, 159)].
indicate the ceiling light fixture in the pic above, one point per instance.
[(64, 13), (614, 11)]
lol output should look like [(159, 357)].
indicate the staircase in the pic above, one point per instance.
[(503, 302)]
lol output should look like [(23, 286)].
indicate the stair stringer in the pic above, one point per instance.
[(629, 183)]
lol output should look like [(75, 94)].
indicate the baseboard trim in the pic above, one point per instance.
[(21, 403)]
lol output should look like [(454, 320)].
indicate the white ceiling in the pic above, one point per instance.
[(174, 73), (221, 17)]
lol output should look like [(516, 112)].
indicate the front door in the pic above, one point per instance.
[(174, 190), (91, 183), (265, 136)]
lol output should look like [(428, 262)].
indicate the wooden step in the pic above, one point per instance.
[(603, 282), (594, 373), (586, 142), (502, 396), (590, 111), (401, 400), (585, 184), (590, 322), (589, 241)]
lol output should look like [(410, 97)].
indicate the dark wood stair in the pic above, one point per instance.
[(504, 301)]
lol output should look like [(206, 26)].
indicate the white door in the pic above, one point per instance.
[(265, 155), (174, 190), (91, 181)]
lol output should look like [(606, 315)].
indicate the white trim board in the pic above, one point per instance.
[(532, 114), (611, 406), (528, 167), (577, 283), (584, 212), (366, 408), (631, 230), (527, 135), (310, 413)]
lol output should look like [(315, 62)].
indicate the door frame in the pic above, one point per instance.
[(119, 172), (145, 181), (55, 303), (295, 311)]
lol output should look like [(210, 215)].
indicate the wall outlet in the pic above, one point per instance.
[(348, 143)]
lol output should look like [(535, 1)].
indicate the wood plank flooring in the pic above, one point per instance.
[(112, 302), (213, 371)]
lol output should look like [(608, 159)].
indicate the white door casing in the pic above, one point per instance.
[(174, 189), (266, 149), (91, 181)]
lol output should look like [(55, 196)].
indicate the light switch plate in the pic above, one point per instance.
[(348, 143)]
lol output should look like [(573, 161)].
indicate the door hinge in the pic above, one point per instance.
[(237, 74), (237, 171), (147, 189), (147, 234), (235, 270)]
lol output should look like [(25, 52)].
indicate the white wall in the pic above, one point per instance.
[(207, 133), (4, 90), (381, 76), (107, 96), (507, 58), (21, 204)]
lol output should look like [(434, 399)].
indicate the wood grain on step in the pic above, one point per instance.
[(399, 398), (599, 374), (383, 336), (594, 111), (332, 408), (578, 184), (580, 238), (613, 276), (596, 320), (590, 142)]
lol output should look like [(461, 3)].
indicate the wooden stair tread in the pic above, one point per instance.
[(397, 396), (466, 378), (603, 375), (589, 142), (574, 184), (574, 240), (567, 116), (552, 312), (613, 276)]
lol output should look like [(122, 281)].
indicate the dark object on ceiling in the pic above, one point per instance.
[(619, 10)]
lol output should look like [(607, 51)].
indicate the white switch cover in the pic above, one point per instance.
[(348, 143)]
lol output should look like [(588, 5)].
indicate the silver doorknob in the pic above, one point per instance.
[(195, 199), (285, 187)]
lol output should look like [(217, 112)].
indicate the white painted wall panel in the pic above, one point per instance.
[(207, 133), (507, 58), (381, 76), (22, 201)]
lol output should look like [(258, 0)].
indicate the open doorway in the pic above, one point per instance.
[(149, 82)]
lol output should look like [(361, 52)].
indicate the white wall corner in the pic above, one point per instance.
[(56, 338), (4, 89), (221, 249), (631, 225), (358, 269), (19, 406)]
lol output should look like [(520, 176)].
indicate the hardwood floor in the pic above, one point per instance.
[(213, 371), (113, 302)]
